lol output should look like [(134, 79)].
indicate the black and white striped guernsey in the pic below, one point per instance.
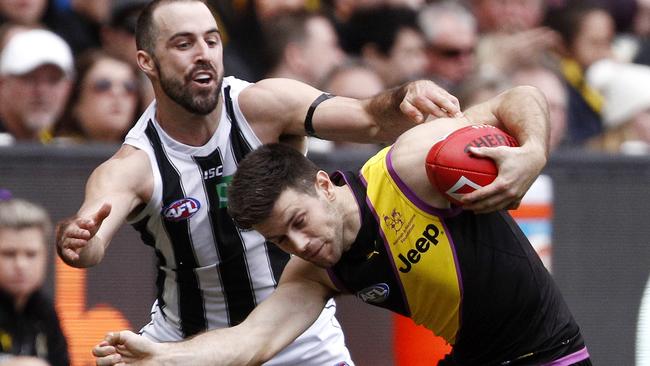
[(210, 273)]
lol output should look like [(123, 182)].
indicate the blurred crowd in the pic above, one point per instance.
[(68, 70)]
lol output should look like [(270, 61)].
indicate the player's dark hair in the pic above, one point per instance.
[(145, 30), (260, 179)]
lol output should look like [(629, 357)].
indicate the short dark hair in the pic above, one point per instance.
[(377, 25), (286, 28), (567, 20), (260, 179), (145, 31)]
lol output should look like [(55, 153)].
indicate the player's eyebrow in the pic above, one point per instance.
[(190, 34), (283, 223)]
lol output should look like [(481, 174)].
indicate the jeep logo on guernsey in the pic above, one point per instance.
[(422, 245), (181, 209), (375, 294)]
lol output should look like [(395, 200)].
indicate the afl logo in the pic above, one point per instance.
[(181, 209), (375, 294)]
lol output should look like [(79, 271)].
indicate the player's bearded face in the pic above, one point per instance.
[(195, 98)]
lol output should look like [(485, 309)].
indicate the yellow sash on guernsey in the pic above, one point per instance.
[(422, 253)]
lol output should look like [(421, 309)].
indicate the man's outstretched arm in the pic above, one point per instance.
[(275, 323), (279, 107), (113, 191)]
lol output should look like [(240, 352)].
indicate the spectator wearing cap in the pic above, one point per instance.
[(36, 72), (626, 110), (29, 325)]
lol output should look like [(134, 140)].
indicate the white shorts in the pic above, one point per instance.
[(322, 344)]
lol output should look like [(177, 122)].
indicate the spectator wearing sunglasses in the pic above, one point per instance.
[(103, 103), (451, 34)]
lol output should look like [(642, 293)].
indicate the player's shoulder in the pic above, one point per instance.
[(128, 162), (128, 171)]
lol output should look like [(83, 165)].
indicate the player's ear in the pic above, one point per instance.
[(324, 184), (146, 63)]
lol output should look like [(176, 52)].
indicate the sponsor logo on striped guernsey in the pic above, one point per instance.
[(181, 209)]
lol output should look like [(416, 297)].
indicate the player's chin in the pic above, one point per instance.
[(325, 262)]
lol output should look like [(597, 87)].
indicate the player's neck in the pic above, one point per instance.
[(186, 127), (349, 209)]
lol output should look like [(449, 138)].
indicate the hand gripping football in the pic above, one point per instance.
[(454, 171)]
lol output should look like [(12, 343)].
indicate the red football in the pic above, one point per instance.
[(454, 171)]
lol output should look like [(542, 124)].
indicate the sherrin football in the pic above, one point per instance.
[(454, 171)]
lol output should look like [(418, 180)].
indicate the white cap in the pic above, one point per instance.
[(624, 86), (30, 49)]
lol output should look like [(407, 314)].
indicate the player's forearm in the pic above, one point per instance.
[(231, 346), (384, 110), (92, 254), (524, 112)]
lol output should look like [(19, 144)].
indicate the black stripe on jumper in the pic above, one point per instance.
[(276, 257), (190, 298), (233, 269)]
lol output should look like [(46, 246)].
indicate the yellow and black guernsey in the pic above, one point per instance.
[(474, 280)]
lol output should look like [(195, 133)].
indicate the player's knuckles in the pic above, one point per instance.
[(113, 359)]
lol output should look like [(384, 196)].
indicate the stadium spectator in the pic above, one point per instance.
[(36, 74), (551, 85), (81, 24), (103, 103), (451, 35), (353, 79), (480, 87), (118, 39), (244, 41), (499, 16), (389, 40), (626, 111), (29, 325), (587, 31), (511, 34), (118, 34), (302, 46)]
